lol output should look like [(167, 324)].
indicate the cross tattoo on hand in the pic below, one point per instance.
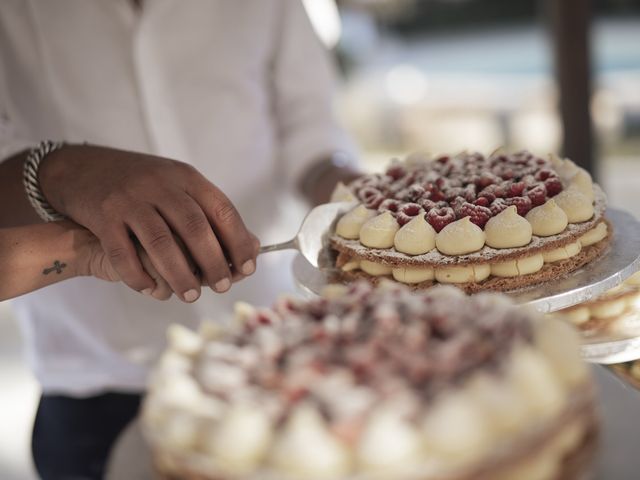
[(57, 267)]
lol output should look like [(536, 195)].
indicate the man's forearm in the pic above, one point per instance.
[(15, 209), (36, 256)]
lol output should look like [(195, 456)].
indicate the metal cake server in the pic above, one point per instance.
[(309, 240)]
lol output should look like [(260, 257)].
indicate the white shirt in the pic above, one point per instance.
[(241, 89)]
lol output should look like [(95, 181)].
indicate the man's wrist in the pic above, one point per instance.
[(51, 176), (81, 245)]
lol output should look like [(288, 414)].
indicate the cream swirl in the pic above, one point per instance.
[(575, 204), (508, 229), (307, 448), (594, 235), (565, 168), (341, 193), (460, 237), (389, 442), (379, 232), (351, 222), (582, 181), (548, 219), (416, 237)]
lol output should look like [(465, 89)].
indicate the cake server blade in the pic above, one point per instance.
[(310, 238)]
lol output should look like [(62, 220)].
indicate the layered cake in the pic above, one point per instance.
[(369, 383), (617, 311), (629, 372), (501, 222)]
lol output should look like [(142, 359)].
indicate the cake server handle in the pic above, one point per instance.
[(290, 245), (309, 240)]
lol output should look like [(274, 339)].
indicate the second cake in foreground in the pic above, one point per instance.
[(501, 222), (374, 384)]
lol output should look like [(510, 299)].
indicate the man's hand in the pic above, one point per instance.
[(118, 194), (97, 264), (320, 179)]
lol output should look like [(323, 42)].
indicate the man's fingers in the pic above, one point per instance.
[(256, 245), (156, 238), (230, 230), (189, 222), (162, 291), (120, 251)]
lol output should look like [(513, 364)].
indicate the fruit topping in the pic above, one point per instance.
[(553, 186), (537, 194), (390, 205), (407, 212), (523, 204), (396, 171), (516, 189), (542, 175), (439, 218), (497, 206), (477, 214), (371, 197)]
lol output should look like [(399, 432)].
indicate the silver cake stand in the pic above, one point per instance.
[(620, 261)]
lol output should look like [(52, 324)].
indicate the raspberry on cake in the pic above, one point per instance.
[(374, 383), (501, 222)]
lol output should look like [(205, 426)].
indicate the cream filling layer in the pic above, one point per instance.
[(412, 275), (374, 269), (562, 253), (577, 316), (594, 235), (515, 268), (463, 273), (633, 279), (601, 310), (606, 307)]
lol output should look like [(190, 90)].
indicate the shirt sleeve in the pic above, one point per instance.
[(11, 141), (304, 87)]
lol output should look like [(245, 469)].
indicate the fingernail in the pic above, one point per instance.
[(223, 285), (147, 291), (190, 295), (248, 267)]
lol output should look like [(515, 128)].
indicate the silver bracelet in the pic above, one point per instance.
[(32, 183)]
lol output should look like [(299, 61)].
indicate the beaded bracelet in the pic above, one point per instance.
[(32, 183)]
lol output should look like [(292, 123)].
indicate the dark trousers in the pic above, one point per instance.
[(72, 437)]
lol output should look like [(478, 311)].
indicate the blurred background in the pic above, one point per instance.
[(448, 75)]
